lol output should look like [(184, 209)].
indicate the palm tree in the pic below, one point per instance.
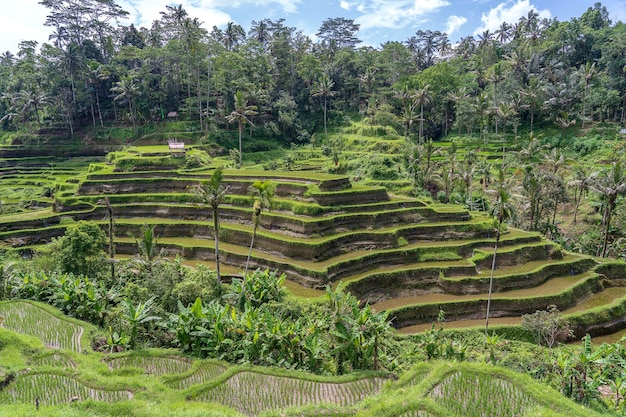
[(588, 73), (423, 98), (213, 193), (503, 34), (502, 211), (127, 90), (496, 76), (147, 253), (241, 115), (24, 102), (506, 111), (324, 89), (610, 184), (264, 198), (581, 183)]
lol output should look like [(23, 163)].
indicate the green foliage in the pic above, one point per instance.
[(81, 250), (197, 158), (436, 345), (257, 331), (255, 289), (548, 326)]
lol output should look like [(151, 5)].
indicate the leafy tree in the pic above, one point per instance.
[(213, 193), (547, 326), (81, 249), (340, 31)]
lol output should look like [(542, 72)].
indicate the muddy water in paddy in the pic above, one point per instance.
[(602, 298), (462, 324), (552, 286)]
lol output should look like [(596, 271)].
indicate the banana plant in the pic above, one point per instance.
[(136, 316)]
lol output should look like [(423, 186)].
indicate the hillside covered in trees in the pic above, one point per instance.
[(357, 203)]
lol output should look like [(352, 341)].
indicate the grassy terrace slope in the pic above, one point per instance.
[(409, 256), (161, 382)]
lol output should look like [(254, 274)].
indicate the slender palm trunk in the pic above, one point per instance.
[(421, 138), (132, 115), (607, 227), (493, 269), (240, 147), (325, 132), (579, 196), (245, 273), (99, 110), (216, 232)]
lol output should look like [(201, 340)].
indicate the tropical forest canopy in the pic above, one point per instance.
[(96, 72)]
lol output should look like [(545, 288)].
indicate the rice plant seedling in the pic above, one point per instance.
[(26, 318), (153, 365), (52, 389), (56, 360), (417, 413), (203, 375), (469, 395), (251, 393)]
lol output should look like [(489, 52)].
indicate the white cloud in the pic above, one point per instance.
[(509, 12), (394, 14), (22, 21), (288, 6), (144, 12), (454, 23), (344, 5)]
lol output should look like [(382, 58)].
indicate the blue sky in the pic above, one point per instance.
[(380, 20)]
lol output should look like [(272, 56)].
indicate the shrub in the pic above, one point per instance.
[(258, 288), (196, 158), (548, 326), (80, 250)]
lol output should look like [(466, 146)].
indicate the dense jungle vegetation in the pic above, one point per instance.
[(522, 124)]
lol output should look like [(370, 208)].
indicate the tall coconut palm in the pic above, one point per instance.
[(127, 90), (610, 184), (423, 98), (324, 89), (263, 198), (213, 193), (501, 211), (588, 73), (506, 111), (242, 115), (581, 183)]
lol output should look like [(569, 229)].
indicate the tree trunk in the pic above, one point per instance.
[(577, 198), (607, 227), (250, 251), (325, 132), (240, 147), (493, 268), (216, 232)]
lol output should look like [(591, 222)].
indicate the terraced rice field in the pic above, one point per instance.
[(470, 396), (152, 365), (206, 373), (26, 318), (252, 393), (401, 254), (52, 389), (55, 360)]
